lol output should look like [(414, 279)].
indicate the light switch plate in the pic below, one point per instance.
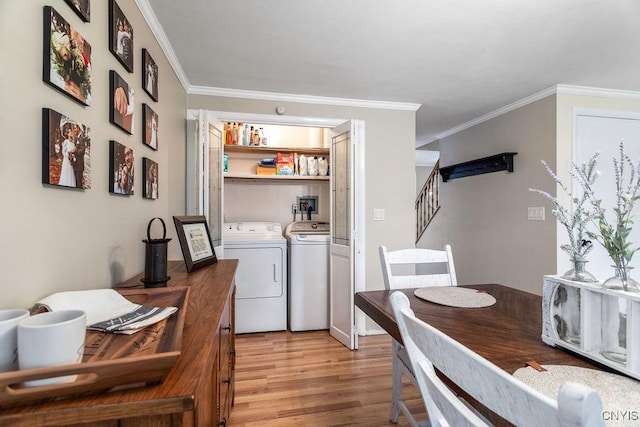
[(535, 213), (378, 214)]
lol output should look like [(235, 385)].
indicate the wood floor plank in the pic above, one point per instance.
[(310, 379)]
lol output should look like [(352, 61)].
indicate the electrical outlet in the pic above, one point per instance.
[(294, 209), (378, 214)]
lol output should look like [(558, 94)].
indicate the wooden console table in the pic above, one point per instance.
[(198, 391)]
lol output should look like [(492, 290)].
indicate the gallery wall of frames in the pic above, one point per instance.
[(66, 142)]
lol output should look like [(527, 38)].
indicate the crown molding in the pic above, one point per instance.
[(305, 99), (554, 90), (167, 49), (163, 41)]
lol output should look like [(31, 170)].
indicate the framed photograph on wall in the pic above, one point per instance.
[(195, 241), (120, 36), (82, 8), (149, 127), (66, 151), (149, 75), (149, 179), (66, 58), (121, 102), (121, 170)]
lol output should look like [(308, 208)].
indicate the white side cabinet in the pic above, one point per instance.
[(598, 323)]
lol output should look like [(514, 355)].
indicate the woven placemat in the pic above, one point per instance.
[(618, 393), (454, 296)]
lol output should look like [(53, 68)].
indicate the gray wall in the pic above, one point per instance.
[(56, 239), (484, 217)]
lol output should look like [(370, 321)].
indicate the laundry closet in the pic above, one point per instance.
[(252, 211), (276, 176)]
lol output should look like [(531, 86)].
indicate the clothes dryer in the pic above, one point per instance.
[(308, 283), (261, 277)]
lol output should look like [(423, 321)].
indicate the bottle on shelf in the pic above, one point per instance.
[(256, 137), (234, 134), (263, 137), (246, 135), (227, 133), (240, 132)]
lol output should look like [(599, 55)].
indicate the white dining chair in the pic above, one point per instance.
[(511, 399), (412, 268)]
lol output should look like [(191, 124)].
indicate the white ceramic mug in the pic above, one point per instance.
[(51, 339), (9, 338)]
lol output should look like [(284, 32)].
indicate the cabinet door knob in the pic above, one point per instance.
[(227, 381), (226, 328)]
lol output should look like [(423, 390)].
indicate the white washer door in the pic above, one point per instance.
[(260, 271)]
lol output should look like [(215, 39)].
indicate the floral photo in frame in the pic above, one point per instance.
[(195, 241), (121, 102), (120, 36), (121, 170), (66, 151), (149, 179), (66, 58), (149, 127), (82, 8), (149, 75)]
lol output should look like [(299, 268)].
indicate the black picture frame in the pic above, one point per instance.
[(121, 102), (121, 169), (195, 241), (149, 127), (149, 179), (120, 36), (82, 8), (66, 58), (149, 75), (66, 151)]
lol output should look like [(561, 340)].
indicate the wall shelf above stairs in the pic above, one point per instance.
[(495, 163)]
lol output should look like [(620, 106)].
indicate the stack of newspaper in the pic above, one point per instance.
[(107, 310)]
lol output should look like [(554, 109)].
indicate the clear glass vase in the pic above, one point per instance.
[(578, 273), (622, 280)]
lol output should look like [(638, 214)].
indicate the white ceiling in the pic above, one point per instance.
[(458, 59)]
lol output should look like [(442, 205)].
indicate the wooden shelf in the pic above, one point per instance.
[(496, 163), (229, 175), (274, 150)]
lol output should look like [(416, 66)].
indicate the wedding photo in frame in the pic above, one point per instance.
[(149, 179), (66, 151), (149, 127), (121, 102), (66, 58), (120, 36), (121, 169), (82, 8), (195, 241), (149, 75)]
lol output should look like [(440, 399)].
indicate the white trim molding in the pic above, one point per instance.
[(554, 90), (167, 49)]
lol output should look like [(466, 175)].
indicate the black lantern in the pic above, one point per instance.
[(155, 264)]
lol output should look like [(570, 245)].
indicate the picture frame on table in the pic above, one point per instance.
[(66, 58), (121, 169), (66, 151), (149, 127), (149, 179), (149, 75), (120, 36), (82, 8), (121, 103), (195, 241)]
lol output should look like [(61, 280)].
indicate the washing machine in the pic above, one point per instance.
[(308, 283), (261, 277)]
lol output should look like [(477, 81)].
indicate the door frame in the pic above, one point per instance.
[(359, 176)]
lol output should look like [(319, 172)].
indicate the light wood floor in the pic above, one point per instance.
[(309, 379)]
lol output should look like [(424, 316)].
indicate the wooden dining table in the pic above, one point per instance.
[(507, 333)]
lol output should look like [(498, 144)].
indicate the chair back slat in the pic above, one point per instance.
[(518, 403), (415, 258)]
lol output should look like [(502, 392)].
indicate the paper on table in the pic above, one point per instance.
[(107, 310)]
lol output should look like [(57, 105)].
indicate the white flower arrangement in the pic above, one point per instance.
[(574, 220)]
